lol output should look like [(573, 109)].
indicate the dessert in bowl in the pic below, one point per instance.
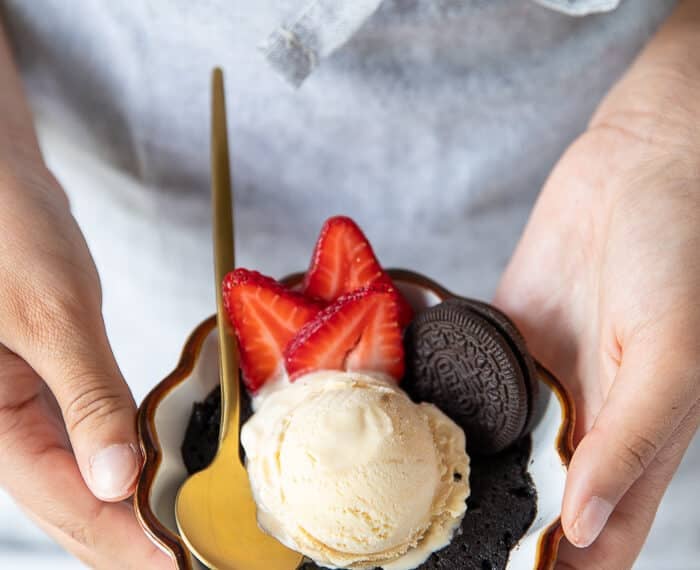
[(514, 481)]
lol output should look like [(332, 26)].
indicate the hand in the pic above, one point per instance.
[(604, 284), (67, 419)]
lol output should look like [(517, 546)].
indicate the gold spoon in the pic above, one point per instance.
[(215, 509)]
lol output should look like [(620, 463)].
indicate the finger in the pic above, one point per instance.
[(103, 535), (652, 392), (42, 476), (142, 553), (625, 533), (62, 336)]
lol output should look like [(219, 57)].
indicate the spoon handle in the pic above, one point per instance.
[(222, 217)]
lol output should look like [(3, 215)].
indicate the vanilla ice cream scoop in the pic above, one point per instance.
[(346, 469)]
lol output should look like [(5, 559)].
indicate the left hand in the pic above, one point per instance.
[(605, 286)]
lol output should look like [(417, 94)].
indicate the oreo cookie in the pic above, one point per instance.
[(511, 332), (462, 361)]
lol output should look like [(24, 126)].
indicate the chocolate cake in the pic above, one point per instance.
[(202, 435), (501, 507)]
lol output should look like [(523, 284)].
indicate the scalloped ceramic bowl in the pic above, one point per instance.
[(164, 414)]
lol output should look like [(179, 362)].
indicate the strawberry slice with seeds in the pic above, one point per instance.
[(343, 261), (359, 332), (265, 316)]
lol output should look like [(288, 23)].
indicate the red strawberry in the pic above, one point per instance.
[(343, 261), (360, 331), (265, 316)]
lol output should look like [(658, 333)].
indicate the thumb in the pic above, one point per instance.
[(70, 351), (653, 391)]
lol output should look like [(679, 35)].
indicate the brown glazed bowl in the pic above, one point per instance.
[(164, 414)]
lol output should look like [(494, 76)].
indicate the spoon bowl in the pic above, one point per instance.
[(215, 514)]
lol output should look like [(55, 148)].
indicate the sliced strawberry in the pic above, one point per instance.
[(265, 316), (360, 331), (343, 261)]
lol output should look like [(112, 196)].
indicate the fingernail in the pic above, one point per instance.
[(590, 521), (113, 470)]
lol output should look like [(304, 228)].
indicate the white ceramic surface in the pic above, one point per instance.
[(173, 412)]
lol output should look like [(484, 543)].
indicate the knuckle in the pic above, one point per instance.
[(92, 404), (637, 452)]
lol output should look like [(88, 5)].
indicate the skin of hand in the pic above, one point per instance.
[(605, 283), (67, 419)]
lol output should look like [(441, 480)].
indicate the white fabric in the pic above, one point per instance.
[(434, 126), (580, 8), (297, 46)]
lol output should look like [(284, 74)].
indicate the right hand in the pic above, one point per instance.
[(68, 446)]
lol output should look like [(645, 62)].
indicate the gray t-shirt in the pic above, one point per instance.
[(432, 122), (434, 125)]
